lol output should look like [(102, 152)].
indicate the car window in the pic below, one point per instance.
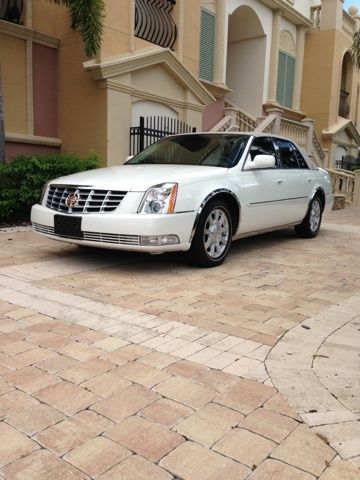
[(213, 150), (288, 158), (262, 146), (300, 159)]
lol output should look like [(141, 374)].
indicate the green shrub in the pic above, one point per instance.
[(22, 180)]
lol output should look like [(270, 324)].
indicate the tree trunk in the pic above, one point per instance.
[(2, 126)]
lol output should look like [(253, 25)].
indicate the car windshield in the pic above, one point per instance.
[(196, 149)]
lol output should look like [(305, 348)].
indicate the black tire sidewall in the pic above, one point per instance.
[(198, 253)]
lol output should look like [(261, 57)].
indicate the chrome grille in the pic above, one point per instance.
[(90, 200), (93, 236)]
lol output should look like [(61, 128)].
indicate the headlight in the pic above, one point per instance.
[(44, 192), (159, 199)]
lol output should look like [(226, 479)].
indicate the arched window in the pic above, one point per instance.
[(286, 70)]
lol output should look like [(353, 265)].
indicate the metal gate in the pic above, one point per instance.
[(152, 129)]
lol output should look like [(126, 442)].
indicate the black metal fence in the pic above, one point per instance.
[(152, 129), (348, 162), (11, 10)]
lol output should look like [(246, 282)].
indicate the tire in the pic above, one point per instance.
[(310, 226), (213, 235)]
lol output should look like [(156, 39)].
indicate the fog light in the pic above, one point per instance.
[(159, 240)]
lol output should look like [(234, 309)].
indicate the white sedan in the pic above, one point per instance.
[(193, 192)]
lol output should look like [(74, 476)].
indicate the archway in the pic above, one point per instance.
[(346, 85), (246, 60)]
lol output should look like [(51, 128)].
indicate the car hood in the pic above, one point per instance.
[(138, 178)]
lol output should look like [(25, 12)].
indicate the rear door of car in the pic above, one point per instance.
[(296, 179)]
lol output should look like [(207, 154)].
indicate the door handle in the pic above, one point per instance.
[(310, 179), (280, 180)]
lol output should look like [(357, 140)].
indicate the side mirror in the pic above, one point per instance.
[(260, 162)]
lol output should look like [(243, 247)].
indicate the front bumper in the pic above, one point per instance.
[(121, 231)]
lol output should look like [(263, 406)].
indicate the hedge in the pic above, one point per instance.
[(22, 180)]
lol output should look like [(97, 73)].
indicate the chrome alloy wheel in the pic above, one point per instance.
[(216, 233), (315, 215)]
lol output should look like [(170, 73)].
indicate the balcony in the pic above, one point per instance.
[(344, 107), (12, 11)]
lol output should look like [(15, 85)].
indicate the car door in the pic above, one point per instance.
[(296, 179), (263, 192)]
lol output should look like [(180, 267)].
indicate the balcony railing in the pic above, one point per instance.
[(153, 22), (11, 11)]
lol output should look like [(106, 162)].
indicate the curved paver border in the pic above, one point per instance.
[(290, 365)]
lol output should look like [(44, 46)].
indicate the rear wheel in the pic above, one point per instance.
[(213, 235), (310, 226)]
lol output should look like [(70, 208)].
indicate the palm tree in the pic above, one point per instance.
[(87, 16)]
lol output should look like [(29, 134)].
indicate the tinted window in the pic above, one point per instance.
[(288, 158), (300, 159), (262, 146)]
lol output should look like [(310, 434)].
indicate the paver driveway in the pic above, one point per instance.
[(120, 366)]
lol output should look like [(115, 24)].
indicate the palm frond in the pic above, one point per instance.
[(88, 17)]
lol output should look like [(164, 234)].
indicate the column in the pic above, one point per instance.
[(299, 66), (274, 56), (220, 42)]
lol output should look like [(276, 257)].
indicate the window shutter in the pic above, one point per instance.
[(289, 82), (207, 45), (285, 80)]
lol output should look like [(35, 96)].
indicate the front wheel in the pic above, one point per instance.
[(310, 226), (213, 235)]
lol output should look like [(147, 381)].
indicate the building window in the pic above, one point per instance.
[(207, 45), (285, 82)]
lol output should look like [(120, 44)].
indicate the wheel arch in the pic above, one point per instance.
[(230, 199), (319, 191)]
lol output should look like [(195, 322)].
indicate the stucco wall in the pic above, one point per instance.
[(13, 74)]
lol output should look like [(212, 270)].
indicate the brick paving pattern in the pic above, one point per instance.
[(119, 366)]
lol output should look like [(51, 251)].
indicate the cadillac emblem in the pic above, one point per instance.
[(72, 200)]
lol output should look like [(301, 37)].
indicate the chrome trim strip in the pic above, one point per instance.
[(205, 201), (276, 201)]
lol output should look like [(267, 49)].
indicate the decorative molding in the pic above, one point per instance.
[(141, 59), (153, 22), (32, 139), (342, 125), (288, 11), (287, 43), (25, 33)]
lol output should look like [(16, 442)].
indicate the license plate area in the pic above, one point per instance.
[(68, 226)]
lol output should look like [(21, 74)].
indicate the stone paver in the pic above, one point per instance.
[(131, 347), (145, 438)]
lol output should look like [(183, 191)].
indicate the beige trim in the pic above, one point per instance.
[(32, 139), (219, 91), (146, 95), (287, 43), (289, 12), (274, 56), (19, 31), (132, 26), (29, 88), (116, 66), (220, 42), (341, 125), (299, 67), (28, 13)]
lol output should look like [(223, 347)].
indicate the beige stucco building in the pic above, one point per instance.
[(211, 64)]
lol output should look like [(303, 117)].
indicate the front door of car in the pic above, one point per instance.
[(262, 191)]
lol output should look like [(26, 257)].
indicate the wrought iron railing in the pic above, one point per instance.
[(152, 129), (153, 22), (11, 10), (348, 162)]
